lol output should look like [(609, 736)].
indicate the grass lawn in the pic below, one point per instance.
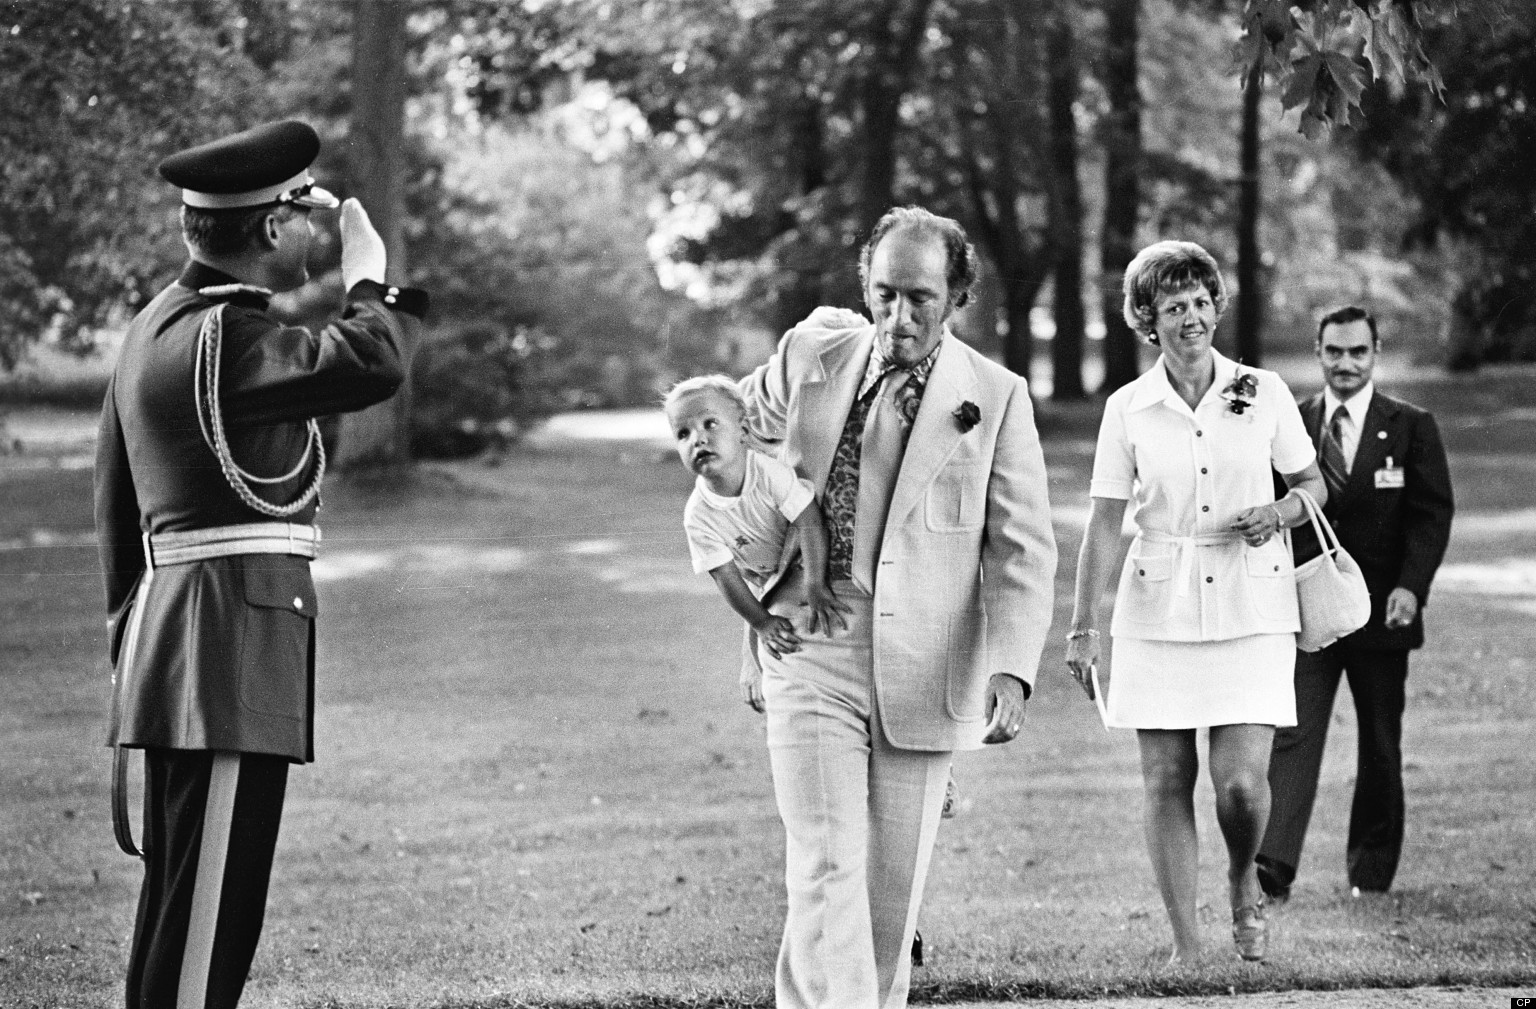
[(535, 783)]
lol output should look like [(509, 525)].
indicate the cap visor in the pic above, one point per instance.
[(317, 199)]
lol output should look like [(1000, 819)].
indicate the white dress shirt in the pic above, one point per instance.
[(1355, 408), (1187, 576)]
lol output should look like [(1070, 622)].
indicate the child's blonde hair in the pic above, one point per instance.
[(727, 388), (722, 384)]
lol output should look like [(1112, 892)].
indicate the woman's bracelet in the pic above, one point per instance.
[(1086, 632), (1279, 519)]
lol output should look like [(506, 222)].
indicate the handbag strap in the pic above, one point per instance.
[(1326, 537)]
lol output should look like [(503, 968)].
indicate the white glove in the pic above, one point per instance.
[(363, 256)]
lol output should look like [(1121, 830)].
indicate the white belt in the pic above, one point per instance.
[(289, 538), (1186, 555)]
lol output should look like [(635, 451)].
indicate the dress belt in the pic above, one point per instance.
[(289, 538), (1187, 556)]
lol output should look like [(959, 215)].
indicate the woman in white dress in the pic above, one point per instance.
[(1205, 615)]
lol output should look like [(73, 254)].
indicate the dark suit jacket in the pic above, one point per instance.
[(1397, 535), (225, 650)]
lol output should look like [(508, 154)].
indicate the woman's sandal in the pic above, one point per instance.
[(1250, 931)]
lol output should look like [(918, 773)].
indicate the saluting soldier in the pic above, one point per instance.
[(208, 474)]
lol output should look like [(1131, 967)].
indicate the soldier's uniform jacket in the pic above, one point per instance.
[(225, 649)]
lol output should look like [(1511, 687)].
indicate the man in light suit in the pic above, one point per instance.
[(927, 460), (1389, 500)]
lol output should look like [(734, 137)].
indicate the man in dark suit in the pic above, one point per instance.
[(1389, 500), (208, 470)]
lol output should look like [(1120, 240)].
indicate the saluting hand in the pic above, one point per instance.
[(363, 256)]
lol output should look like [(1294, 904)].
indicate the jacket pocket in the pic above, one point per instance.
[(956, 501), (274, 649), (1271, 582), (1147, 589)]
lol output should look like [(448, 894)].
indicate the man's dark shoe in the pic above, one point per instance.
[(1275, 878)]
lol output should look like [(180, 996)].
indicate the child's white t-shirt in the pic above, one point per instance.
[(748, 529)]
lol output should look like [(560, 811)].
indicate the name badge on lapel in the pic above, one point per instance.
[(1389, 477)]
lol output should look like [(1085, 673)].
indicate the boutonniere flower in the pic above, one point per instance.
[(967, 415), (908, 401), (1240, 391)]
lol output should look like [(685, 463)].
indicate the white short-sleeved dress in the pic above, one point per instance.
[(1204, 625)]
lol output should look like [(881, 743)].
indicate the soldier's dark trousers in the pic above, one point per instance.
[(210, 828), (1377, 681)]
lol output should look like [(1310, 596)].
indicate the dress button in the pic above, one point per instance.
[(1203, 470), (1205, 508), (1209, 579), (1199, 434), (298, 602)]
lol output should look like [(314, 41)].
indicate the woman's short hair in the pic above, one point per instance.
[(228, 232), (959, 252), (722, 384), (1167, 268)]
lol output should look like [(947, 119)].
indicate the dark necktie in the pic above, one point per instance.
[(1331, 460)]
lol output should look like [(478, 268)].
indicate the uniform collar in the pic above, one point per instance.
[(1356, 405), (200, 276)]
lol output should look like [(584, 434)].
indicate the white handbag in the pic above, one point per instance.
[(1330, 587)]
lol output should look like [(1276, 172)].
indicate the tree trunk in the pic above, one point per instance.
[(891, 69), (1066, 210), (380, 435), (1250, 307), (1122, 203)]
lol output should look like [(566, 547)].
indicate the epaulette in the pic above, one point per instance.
[(245, 295)]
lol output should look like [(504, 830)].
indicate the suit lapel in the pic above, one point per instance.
[(825, 402), (935, 432), (1371, 453)]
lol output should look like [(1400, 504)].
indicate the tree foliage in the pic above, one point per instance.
[(95, 95), (1467, 160), (1324, 54)]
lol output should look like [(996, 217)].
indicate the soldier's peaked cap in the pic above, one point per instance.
[(263, 165)]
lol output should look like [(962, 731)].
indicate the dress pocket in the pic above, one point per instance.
[(1271, 581), (1147, 589)]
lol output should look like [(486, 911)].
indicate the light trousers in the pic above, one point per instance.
[(860, 818)]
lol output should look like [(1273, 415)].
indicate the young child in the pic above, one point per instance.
[(742, 506)]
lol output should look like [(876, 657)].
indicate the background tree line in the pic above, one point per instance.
[(604, 195)]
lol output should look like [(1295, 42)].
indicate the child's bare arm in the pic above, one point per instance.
[(826, 608), (776, 633)]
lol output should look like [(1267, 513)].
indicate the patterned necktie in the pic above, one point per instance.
[(1331, 459)]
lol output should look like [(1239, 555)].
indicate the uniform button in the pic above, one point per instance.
[(298, 603), (1209, 579)]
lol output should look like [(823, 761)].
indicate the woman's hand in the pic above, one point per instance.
[(778, 636), (1257, 525), (1082, 656)]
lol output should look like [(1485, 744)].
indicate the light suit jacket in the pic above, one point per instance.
[(964, 584)]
